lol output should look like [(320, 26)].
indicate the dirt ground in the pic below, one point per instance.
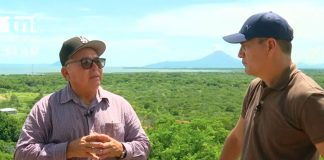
[(2, 98)]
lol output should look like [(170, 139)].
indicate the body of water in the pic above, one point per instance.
[(43, 69)]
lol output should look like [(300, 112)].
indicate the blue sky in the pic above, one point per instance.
[(142, 32)]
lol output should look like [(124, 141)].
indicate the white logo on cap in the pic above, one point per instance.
[(83, 39), (247, 27)]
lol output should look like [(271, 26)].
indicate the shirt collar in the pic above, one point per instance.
[(284, 79), (68, 94), (101, 95)]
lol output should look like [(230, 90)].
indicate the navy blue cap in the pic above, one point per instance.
[(263, 25)]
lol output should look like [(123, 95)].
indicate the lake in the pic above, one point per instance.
[(42, 68)]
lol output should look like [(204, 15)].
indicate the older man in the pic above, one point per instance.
[(82, 120)]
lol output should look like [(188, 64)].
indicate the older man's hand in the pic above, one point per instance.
[(104, 146)]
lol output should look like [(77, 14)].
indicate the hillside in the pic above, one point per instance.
[(217, 59)]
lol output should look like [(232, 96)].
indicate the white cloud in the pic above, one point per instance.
[(23, 48), (199, 20), (139, 52), (137, 43), (20, 46), (4, 24), (188, 32), (11, 12), (43, 17), (217, 20)]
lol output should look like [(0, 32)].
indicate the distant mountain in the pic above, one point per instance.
[(217, 59)]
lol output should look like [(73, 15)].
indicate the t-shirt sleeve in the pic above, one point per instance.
[(245, 103), (312, 117), (248, 96)]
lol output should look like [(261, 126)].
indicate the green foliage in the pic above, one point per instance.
[(183, 95), (186, 115), (13, 102), (178, 139), (9, 128), (23, 101), (31, 83), (6, 156), (6, 150)]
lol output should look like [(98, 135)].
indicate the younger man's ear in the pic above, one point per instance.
[(271, 44)]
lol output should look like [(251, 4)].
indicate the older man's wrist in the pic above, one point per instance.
[(123, 154)]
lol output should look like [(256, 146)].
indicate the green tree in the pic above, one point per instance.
[(14, 101), (9, 128), (7, 150)]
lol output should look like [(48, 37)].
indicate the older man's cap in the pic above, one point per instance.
[(262, 25), (73, 45)]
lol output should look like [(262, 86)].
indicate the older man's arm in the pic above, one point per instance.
[(136, 142), (31, 143)]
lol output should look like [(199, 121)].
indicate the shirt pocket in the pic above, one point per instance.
[(114, 130)]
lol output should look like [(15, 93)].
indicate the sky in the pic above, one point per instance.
[(143, 32)]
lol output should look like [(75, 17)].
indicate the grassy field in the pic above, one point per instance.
[(186, 115)]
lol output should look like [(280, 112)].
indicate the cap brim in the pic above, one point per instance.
[(97, 45), (235, 38)]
